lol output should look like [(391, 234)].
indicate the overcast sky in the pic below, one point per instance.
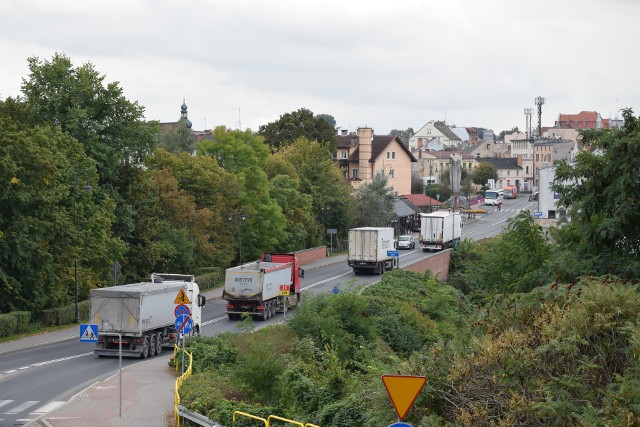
[(384, 64)]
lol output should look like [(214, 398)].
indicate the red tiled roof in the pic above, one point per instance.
[(421, 200)]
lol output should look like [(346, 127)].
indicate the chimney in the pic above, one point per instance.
[(365, 137), (345, 132)]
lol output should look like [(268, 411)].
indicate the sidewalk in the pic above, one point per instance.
[(147, 386)]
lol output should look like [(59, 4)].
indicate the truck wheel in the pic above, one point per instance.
[(381, 268), (159, 343), (265, 314), (145, 348), (152, 346), (267, 308)]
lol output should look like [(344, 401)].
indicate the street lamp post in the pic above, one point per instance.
[(75, 227), (241, 219)]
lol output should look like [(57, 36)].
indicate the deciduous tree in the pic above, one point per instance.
[(601, 191), (298, 124)]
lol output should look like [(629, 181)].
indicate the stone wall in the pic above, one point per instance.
[(438, 264)]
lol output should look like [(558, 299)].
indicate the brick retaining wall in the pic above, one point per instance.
[(307, 256), (438, 264)]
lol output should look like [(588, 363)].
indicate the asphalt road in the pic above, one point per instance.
[(39, 379)]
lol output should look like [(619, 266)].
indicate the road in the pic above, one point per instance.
[(36, 380)]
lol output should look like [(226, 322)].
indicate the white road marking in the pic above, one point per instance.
[(48, 407), (208, 322), (5, 402), (47, 362), (17, 409)]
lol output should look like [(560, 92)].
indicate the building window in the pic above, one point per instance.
[(488, 147), (527, 170), (393, 155), (344, 154), (354, 173), (392, 173)]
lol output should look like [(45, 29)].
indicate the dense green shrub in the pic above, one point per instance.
[(562, 355), (23, 320), (8, 325)]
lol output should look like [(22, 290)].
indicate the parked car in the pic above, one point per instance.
[(406, 242)]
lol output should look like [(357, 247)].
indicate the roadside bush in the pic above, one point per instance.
[(213, 353), (8, 325), (561, 355), (23, 318)]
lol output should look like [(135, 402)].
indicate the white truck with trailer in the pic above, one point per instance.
[(368, 249), (440, 230), (143, 314)]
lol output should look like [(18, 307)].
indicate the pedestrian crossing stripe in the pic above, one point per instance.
[(88, 333), (182, 298)]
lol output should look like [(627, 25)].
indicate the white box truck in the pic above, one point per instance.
[(440, 230), (368, 249), (144, 314)]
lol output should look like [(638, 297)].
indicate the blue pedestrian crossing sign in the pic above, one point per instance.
[(88, 332)]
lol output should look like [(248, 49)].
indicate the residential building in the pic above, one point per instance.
[(546, 152), (582, 120), (510, 171), (364, 154), (431, 164), (437, 132)]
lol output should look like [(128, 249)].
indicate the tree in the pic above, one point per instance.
[(417, 185), (321, 178), (47, 222), (298, 124), (177, 139), (374, 201), (508, 132), (404, 135), (327, 118), (244, 155), (206, 190), (111, 129), (483, 173), (601, 193)]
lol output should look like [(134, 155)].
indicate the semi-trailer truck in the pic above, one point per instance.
[(263, 288), (144, 314), (368, 250)]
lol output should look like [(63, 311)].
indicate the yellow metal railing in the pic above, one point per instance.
[(244, 414), (275, 417), (267, 422), (179, 381)]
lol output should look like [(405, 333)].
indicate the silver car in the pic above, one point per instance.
[(406, 242)]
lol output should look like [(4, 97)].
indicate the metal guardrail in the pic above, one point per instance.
[(194, 417)]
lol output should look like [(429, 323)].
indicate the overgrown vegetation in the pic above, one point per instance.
[(517, 336)]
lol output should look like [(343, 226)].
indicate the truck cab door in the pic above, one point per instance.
[(202, 300)]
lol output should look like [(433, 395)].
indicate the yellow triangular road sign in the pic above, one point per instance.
[(403, 390), (182, 298)]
